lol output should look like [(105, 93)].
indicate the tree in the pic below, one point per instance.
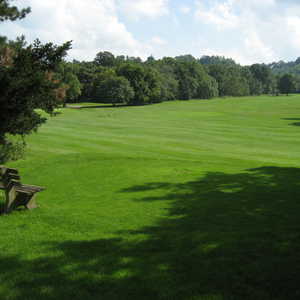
[(87, 73), (213, 60), (263, 74), (207, 88), (114, 89), (8, 12), (185, 58), (286, 84), (105, 59), (27, 81), (231, 79), (70, 80), (143, 80)]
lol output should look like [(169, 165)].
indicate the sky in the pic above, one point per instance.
[(249, 31)]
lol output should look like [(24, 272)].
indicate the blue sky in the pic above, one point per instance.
[(248, 31)]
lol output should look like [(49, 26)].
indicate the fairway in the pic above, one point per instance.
[(184, 200)]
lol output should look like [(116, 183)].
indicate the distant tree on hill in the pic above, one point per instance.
[(185, 58), (105, 59), (212, 60), (286, 84), (150, 59)]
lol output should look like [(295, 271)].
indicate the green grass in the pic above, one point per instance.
[(193, 200)]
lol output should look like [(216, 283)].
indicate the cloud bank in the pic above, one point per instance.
[(247, 30)]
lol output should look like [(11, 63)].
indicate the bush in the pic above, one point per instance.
[(11, 150)]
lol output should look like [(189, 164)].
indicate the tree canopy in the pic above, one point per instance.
[(287, 84), (28, 80), (9, 12)]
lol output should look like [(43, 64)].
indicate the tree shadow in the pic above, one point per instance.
[(293, 119), (224, 236)]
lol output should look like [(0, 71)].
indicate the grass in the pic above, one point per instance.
[(193, 200)]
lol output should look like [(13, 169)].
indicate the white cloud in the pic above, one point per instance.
[(246, 30), (293, 25), (185, 9), (156, 40), (136, 9), (252, 30), (219, 14), (93, 25)]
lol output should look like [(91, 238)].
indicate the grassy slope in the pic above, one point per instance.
[(180, 200)]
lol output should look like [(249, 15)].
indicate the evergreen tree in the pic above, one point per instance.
[(27, 81)]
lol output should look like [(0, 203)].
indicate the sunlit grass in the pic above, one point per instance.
[(178, 200)]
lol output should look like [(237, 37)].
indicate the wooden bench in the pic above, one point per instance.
[(16, 193)]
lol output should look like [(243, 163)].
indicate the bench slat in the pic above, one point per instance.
[(29, 188)]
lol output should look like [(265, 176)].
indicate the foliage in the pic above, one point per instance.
[(114, 89), (11, 150), (9, 12), (144, 82), (216, 60), (27, 81), (207, 88), (68, 77), (105, 59), (231, 79), (183, 77), (286, 84), (262, 74)]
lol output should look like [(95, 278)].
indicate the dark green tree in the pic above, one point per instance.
[(207, 88), (286, 84), (143, 80), (213, 60), (87, 73), (262, 73), (105, 59), (186, 74), (27, 82), (68, 77), (185, 58), (231, 79), (9, 12), (114, 89)]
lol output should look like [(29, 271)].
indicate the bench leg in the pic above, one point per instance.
[(15, 199), (10, 203), (31, 204)]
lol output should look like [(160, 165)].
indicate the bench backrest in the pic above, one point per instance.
[(10, 177)]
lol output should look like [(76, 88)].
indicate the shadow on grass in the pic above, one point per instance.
[(293, 119), (225, 236)]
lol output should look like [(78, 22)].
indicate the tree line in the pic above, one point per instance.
[(129, 80)]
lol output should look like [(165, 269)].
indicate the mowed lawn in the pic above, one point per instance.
[(180, 200)]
